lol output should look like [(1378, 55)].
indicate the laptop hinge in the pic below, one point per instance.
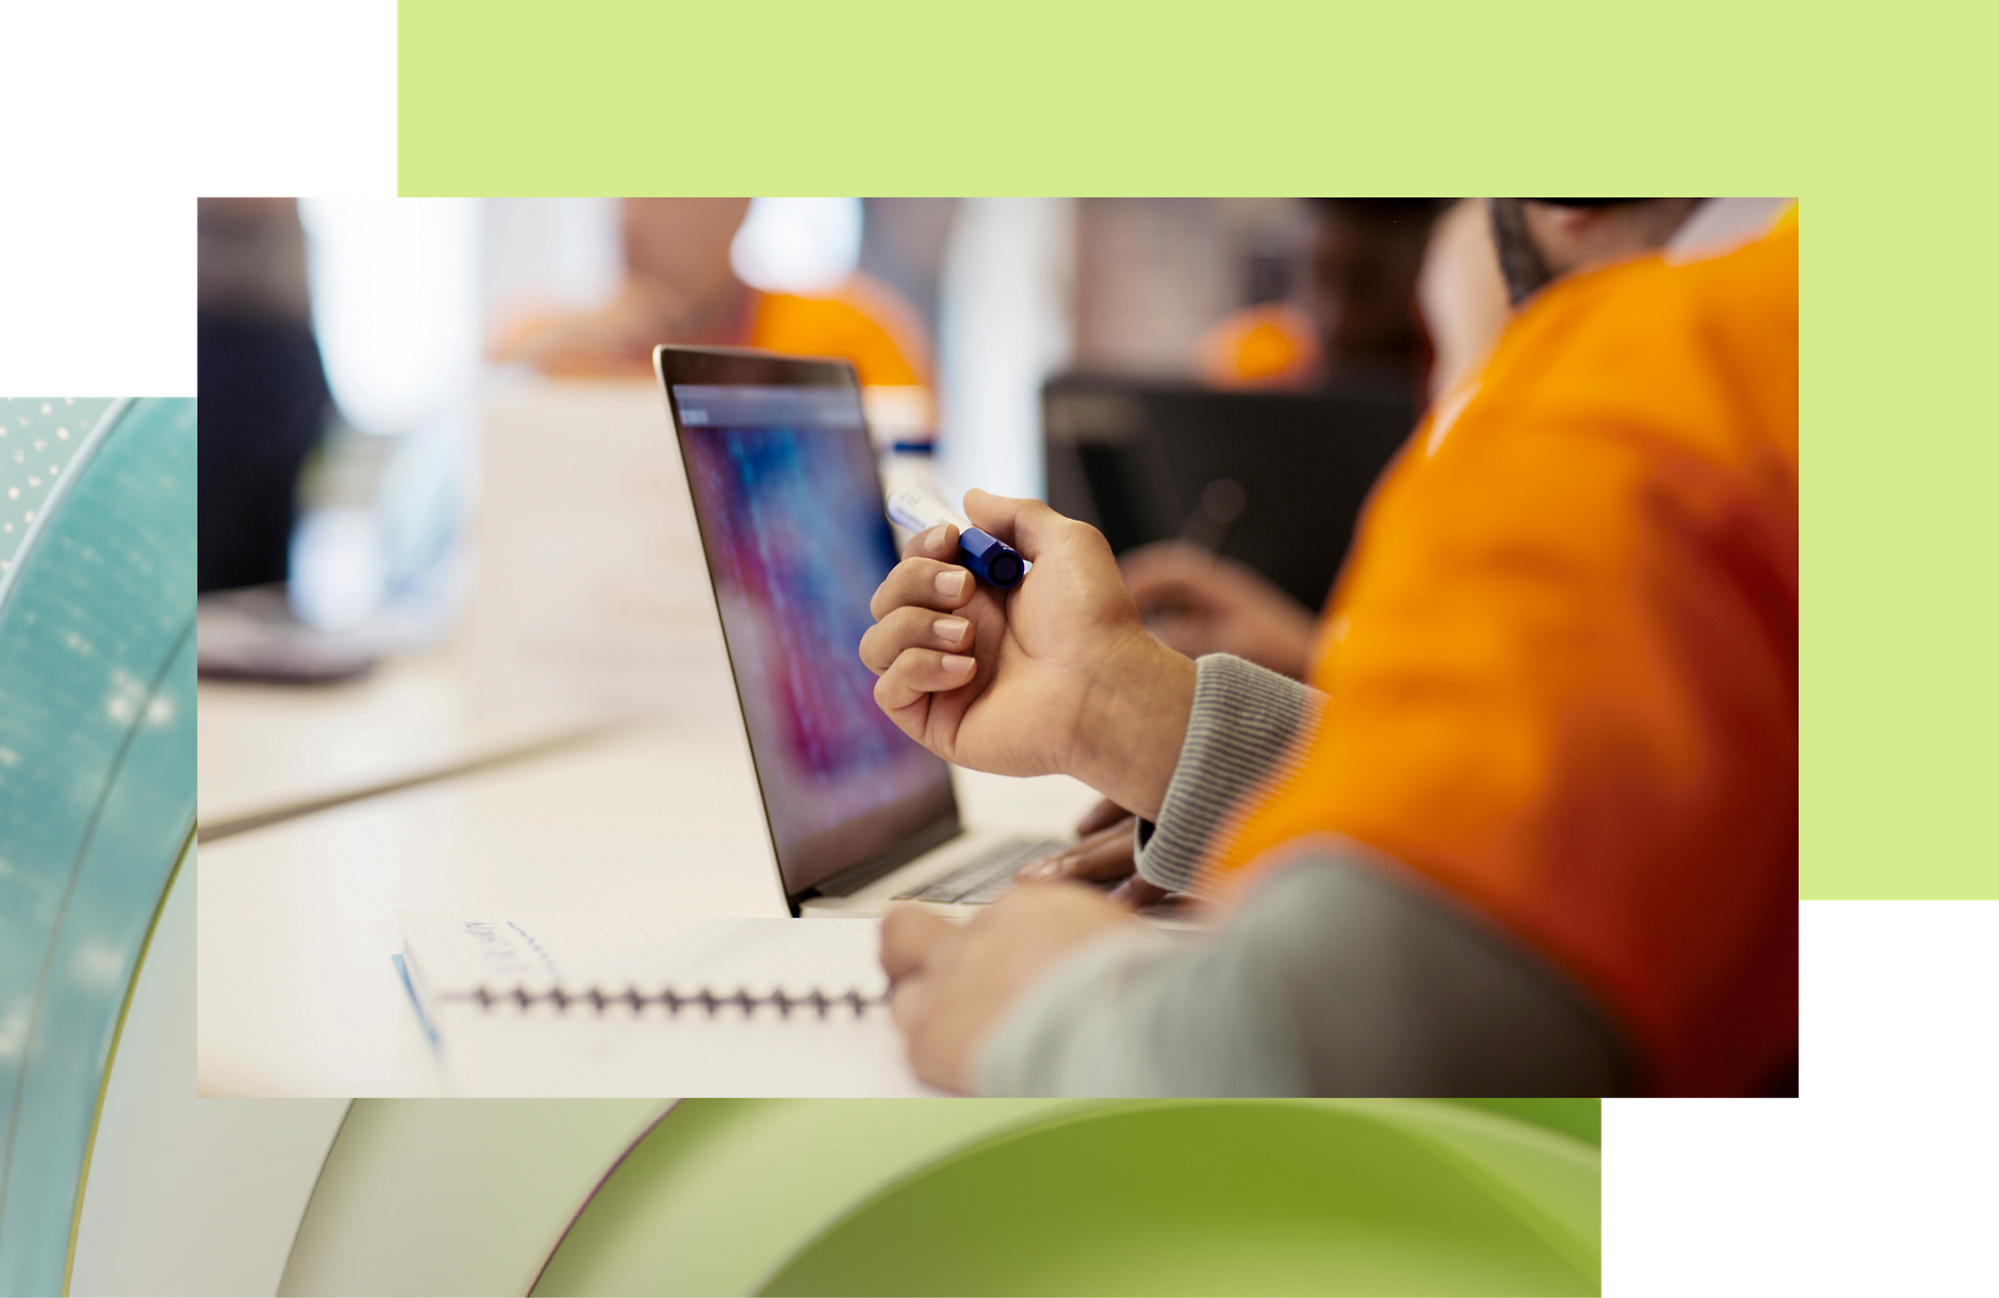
[(862, 873)]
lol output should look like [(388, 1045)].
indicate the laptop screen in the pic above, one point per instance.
[(790, 512)]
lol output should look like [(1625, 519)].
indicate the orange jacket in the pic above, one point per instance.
[(1562, 662)]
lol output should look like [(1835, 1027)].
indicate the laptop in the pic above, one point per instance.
[(789, 509), (1275, 480)]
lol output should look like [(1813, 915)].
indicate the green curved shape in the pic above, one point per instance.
[(1582, 1119), (97, 795), (891, 1196), (721, 1191), (1239, 1197)]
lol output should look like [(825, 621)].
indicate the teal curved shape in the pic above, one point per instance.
[(40, 441), (97, 796)]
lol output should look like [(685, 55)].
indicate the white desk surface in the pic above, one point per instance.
[(297, 993), (590, 602), (266, 748)]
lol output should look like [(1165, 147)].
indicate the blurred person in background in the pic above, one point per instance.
[(1532, 827), (1401, 295), (264, 397), (679, 288), (1359, 328)]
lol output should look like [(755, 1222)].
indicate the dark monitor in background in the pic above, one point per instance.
[(1274, 480)]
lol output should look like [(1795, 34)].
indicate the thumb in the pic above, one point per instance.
[(1027, 525)]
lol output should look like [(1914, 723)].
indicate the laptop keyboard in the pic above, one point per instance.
[(986, 877)]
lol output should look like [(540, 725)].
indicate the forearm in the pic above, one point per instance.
[(1336, 977), (1132, 724)]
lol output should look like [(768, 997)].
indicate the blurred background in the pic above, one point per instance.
[(402, 398), (457, 642)]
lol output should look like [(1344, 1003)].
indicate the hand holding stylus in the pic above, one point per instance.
[(1057, 675)]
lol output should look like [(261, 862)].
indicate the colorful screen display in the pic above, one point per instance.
[(791, 516)]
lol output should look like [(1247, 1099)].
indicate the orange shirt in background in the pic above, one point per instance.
[(1269, 346), (1562, 662), (864, 322)]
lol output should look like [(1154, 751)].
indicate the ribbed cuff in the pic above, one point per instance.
[(1244, 721)]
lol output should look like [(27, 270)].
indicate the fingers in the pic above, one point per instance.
[(1102, 816), (910, 1003), (925, 583), (911, 627), (939, 542), (917, 672), (910, 646), (955, 981), (909, 934), (918, 950), (1103, 856), (1136, 893)]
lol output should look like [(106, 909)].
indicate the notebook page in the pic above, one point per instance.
[(458, 952), (617, 1053), (585, 1050)]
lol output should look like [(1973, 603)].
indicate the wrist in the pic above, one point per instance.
[(1133, 724)]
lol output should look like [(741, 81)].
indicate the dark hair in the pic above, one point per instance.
[(1521, 264)]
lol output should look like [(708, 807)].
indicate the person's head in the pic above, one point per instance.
[(1366, 253), (1542, 239), (680, 248)]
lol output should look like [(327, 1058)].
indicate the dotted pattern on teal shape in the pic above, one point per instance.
[(38, 436)]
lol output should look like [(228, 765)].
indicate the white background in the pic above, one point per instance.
[(113, 117), (1883, 1179)]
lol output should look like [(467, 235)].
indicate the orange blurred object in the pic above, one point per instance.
[(1269, 346), (1562, 662), (864, 322)]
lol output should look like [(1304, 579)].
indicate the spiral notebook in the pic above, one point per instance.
[(631, 1005)]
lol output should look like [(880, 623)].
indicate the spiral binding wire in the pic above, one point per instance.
[(673, 1001)]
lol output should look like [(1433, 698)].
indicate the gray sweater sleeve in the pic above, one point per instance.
[(1341, 974), (1241, 736)]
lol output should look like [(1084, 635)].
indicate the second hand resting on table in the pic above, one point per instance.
[(1103, 854), (1058, 675)]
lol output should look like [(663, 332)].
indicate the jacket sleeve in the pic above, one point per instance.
[(1340, 974), (1240, 735)]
